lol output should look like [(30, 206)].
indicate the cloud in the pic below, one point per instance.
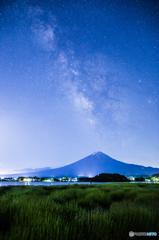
[(24, 170)]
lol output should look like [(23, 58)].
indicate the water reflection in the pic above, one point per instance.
[(7, 183)]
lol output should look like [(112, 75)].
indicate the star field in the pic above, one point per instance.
[(78, 77)]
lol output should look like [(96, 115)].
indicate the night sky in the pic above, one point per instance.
[(78, 77)]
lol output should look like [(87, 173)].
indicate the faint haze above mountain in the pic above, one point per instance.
[(32, 169)]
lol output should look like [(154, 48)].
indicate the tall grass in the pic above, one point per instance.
[(75, 212)]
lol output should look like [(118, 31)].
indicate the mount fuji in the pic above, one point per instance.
[(92, 165)]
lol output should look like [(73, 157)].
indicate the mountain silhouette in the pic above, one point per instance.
[(91, 166)]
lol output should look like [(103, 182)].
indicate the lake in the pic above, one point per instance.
[(10, 183)]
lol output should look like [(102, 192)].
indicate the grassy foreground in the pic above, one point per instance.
[(78, 212)]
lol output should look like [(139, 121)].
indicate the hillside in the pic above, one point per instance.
[(155, 175)]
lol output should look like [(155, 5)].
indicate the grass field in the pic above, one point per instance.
[(79, 212)]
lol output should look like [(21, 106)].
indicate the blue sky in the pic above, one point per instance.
[(78, 77)]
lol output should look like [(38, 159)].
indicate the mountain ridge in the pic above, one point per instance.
[(91, 166)]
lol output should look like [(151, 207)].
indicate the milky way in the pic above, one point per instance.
[(78, 77)]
